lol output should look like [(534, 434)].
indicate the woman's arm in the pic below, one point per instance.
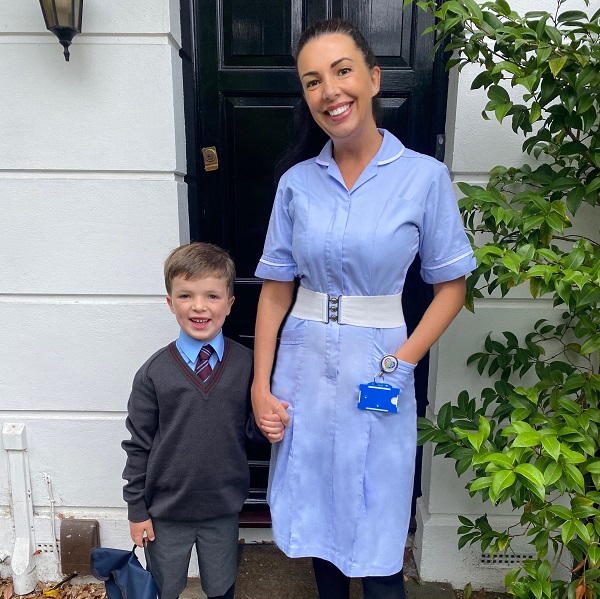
[(274, 302), (449, 298)]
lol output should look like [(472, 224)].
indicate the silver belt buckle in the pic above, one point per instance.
[(333, 307)]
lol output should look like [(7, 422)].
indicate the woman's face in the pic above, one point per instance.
[(338, 86)]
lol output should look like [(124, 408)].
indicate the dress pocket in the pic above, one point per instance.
[(286, 370), (402, 377), (292, 336)]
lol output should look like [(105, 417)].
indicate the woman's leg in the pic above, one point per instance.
[(384, 587), (331, 582), (228, 595)]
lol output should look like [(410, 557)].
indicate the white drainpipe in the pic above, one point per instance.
[(22, 560)]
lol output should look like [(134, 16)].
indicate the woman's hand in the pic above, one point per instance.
[(449, 298), (265, 405)]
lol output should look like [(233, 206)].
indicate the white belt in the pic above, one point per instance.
[(373, 311)]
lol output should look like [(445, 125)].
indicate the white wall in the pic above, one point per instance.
[(92, 157), (474, 146)]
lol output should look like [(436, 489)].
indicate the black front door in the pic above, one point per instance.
[(241, 88)]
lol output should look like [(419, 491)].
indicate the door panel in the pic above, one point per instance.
[(255, 36), (250, 154), (241, 90)]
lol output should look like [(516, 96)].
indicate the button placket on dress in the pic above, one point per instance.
[(335, 240)]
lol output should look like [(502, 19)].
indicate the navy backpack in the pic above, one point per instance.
[(124, 577)]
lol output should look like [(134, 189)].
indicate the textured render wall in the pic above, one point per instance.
[(474, 146), (92, 157)]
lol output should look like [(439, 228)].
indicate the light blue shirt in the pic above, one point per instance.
[(189, 348)]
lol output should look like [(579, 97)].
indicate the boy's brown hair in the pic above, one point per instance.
[(198, 261)]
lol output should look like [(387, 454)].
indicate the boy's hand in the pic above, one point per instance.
[(137, 530), (272, 427)]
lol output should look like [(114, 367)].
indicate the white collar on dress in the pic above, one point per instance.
[(391, 149)]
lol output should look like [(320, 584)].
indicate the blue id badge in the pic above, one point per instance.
[(379, 397)]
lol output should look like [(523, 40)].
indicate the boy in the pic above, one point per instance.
[(188, 414)]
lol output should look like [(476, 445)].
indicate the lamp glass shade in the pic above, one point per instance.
[(64, 14), (49, 14), (63, 18)]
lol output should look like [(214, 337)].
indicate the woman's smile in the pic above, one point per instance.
[(339, 87)]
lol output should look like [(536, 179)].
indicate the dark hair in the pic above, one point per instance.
[(198, 261), (308, 137)]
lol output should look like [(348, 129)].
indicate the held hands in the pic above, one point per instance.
[(272, 427), (270, 413), (137, 530)]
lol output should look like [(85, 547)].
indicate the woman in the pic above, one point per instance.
[(348, 224)]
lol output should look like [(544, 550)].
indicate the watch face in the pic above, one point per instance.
[(389, 363)]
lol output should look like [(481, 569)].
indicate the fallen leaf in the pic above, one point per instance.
[(8, 591)]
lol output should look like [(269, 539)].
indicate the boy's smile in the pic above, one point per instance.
[(200, 306)]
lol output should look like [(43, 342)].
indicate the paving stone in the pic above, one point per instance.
[(266, 573)]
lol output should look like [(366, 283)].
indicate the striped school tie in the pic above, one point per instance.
[(203, 368)]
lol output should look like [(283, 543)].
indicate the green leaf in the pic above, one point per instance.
[(543, 52), (500, 459), (594, 555), (567, 532), (552, 473), (582, 531), (552, 447), (556, 64), (561, 511), (502, 110), (502, 480), (593, 186), (444, 418), (535, 286), (526, 440), (504, 66), (480, 483), (554, 34), (512, 261), (498, 94), (535, 112), (591, 345), (424, 436), (531, 473), (574, 474), (475, 10), (571, 15)]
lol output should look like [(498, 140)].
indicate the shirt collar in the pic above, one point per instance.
[(391, 149), (191, 347)]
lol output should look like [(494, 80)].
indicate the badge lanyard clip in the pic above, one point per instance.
[(389, 364)]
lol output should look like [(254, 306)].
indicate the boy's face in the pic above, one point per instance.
[(200, 306)]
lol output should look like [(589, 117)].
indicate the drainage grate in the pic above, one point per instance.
[(45, 547), (504, 560)]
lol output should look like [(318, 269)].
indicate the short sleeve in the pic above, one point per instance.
[(277, 262), (444, 248)]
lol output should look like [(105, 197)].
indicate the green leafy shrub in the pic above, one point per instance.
[(535, 443)]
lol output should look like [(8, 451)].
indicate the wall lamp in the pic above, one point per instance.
[(63, 18)]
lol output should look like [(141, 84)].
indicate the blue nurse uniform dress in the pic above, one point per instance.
[(341, 480)]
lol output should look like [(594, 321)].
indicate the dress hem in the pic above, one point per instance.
[(354, 571)]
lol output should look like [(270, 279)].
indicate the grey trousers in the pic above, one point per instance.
[(168, 556)]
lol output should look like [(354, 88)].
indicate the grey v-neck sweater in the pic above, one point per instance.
[(186, 459)]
